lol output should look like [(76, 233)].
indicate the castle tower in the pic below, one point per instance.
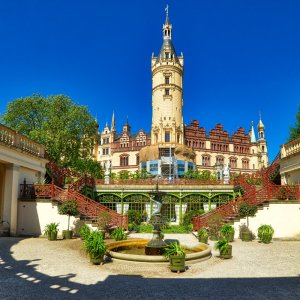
[(167, 103), (262, 145)]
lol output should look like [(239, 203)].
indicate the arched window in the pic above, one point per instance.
[(245, 164), (233, 162), (219, 160), (124, 160), (206, 160)]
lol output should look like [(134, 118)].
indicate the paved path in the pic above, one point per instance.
[(35, 268)]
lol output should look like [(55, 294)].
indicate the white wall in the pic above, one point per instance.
[(34, 216), (284, 218)]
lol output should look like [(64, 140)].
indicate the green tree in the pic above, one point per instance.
[(67, 130), (295, 131), (69, 208)]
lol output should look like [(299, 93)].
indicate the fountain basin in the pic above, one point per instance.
[(199, 252)]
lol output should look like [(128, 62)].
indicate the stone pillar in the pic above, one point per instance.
[(11, 192)]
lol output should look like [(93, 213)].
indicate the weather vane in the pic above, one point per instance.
[(167, 9)]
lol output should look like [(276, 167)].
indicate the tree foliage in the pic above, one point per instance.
[(295, 131), (67, 130)]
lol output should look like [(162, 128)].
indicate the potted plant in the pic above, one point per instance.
[(247, 210), (119, 234), (95, 247), (265, 233), (245, 234), (84, 231), (224, 248), (203, 235), (214, 226), (176, 255), (227, 232), (51, 231), (104, 222), (69, 208)]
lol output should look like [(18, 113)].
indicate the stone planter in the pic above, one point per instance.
[(97, 260), (230, 237), (177, 263), (246, 236), (67, 234), (213, 237), (4, 229), (203, 240), (226, 253), (52, 236)]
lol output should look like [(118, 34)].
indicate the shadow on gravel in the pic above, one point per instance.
[(19, 279)]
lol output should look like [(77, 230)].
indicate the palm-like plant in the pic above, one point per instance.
[(265, 233), (119, 234), (95, 246), (203, 235), (84, 231), (227, 232), (225, 249), (174, 249)]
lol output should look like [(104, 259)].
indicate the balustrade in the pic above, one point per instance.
[(13, 139), (290, 148)]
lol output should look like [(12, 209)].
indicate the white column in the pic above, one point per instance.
[(11, 192)]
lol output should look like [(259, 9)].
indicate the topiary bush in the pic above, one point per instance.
[(69, 208), (247, 210)]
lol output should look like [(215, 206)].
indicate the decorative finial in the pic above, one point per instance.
[(259, 115), (167, 15)]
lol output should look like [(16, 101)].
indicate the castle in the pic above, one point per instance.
[(172, 148)]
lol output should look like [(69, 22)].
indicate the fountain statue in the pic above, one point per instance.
[(156, 245)]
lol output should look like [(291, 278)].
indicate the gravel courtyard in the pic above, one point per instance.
[(35, 268)]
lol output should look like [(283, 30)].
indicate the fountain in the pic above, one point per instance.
[(143, 250), (156, 245)]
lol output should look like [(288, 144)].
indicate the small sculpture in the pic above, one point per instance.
[(158, 201), (107, 166), (226, 174)]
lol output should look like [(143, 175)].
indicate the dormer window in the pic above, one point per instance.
[(167, 55)]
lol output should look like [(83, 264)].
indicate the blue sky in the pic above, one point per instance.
[(241, 58)]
